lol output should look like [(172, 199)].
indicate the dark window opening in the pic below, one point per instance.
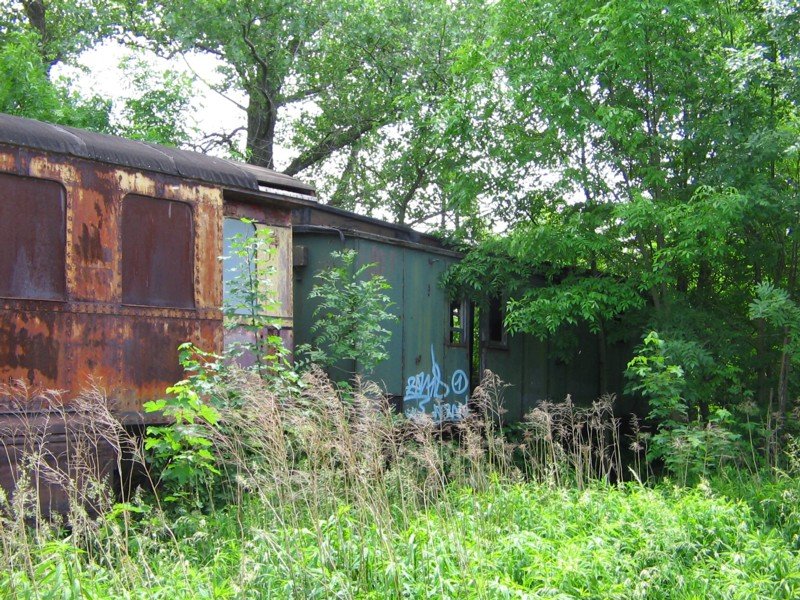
[(497, 332), (458, 323), (32, 238), (157, 252)]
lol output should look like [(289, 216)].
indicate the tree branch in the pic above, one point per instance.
[(332, 142)]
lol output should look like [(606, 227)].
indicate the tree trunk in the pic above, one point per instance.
[(340, 194), (261, 119), (783, 379), (602, 360), (36, 11)]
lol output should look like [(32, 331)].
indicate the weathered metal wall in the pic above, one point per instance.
[(422, 363), (550, 369), (90, 331)]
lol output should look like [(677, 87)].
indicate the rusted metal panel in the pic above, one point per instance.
[(93, 354), (120, 265), (31, 348), (32, 238), (8, 159), (62, 345), (150, 357), (94, 236), (208, 244), (157, 252), (129, 350)]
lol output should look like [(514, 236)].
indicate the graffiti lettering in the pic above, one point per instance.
[(427, 392)]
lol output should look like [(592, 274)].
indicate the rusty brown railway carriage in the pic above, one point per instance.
[(109, 259)]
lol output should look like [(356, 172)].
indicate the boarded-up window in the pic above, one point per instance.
[(32, 238), (157, 252)]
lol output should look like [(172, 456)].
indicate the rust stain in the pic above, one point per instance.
[(8, 160), (29, 347), (90, 244), (208, 247)]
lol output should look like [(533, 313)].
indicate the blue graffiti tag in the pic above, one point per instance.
[(424, 388)]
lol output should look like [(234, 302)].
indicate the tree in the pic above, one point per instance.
[(62, 29), (669, 130), (27, 90), (359, 90)]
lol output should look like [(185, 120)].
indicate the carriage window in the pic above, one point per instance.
[(496, 329), (32, 238), (233, 263), (157, 252), (458, 323)]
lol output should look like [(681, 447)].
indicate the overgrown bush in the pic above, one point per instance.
[(691, 442)]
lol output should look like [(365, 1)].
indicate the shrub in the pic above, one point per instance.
[(348, 321)]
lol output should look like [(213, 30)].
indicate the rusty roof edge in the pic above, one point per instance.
[(136, 154)]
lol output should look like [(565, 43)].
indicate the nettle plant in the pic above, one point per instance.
[(182, 451), (349, 320), (689, 444)]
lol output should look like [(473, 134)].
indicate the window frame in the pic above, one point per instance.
[(463, 306), (500, 308)]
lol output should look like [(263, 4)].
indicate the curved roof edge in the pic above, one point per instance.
[(80, 143)]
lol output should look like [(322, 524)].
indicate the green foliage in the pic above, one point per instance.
[(348, 321), (157, 111), (648, 164), (26, 90), (337, 498), (690, 444), (181, 451), (511, 541), (781, 312)]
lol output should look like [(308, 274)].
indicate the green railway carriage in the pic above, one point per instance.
[(431, 342)]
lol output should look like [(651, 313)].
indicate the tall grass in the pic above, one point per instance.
[(324, 494)]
